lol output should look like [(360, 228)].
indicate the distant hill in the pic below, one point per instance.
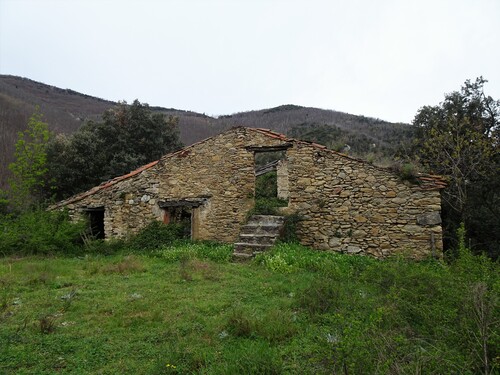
[(65, 110)]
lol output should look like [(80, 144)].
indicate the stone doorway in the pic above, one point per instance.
[(95, 217), (184, 212), (179, 215), (271, 176)]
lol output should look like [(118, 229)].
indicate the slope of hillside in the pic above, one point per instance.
[(65, 110)]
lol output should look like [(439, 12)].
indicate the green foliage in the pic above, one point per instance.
[(332, 313), (377, 141), (289, 233), (398, 315), (266, 185), (155, 236), (30, 167), (274, 326), (39, 232), (267, 206), (178, 251), (128, 137), (459, 139), (266, 191), (406, 171), (293, 257), (103, 247)]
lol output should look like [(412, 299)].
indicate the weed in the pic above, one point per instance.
[(323, 295), (191, 268), (239, 323), (407, 171), (5, 294), (68, 299), (39, 232), (277, 325), (332, 313), (47, 324), (267, 206), (220, 253), (185, 271), (104, 247), (277, 263), (128, 264)]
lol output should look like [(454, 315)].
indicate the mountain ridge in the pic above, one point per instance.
[(65, 110)]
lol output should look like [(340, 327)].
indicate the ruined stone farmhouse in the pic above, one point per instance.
[(346, 204)]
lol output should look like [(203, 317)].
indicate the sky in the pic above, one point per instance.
[(383, 59)]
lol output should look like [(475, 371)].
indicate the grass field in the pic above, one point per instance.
[(187, 309)]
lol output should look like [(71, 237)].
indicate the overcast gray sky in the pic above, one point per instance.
[(383, 58)]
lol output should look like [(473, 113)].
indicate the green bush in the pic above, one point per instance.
[(289, 233), (40, 232), (267, 206), (155, 236)]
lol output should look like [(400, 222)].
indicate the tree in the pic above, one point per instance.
[(30, 165), (459, 138), (129, 136)]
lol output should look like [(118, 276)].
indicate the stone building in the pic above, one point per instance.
[(346, 204)]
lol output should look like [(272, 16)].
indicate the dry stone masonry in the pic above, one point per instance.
[(346, 204)]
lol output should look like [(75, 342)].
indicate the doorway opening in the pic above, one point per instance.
[(183, 212), (181, 216), (271, 179), (96, 222)]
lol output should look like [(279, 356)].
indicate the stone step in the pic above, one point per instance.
[(258, 235), (249, 248), (262, 239), (260, 228)]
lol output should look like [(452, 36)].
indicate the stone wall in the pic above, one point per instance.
[(351, 206), (219, 172), (282, 180), (347, 205)]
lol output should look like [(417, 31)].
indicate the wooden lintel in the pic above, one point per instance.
[(281, 147)]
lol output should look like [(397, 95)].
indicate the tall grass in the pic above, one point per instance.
[(398, 316), (155, 304)]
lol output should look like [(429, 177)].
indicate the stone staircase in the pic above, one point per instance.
[(259, 234)]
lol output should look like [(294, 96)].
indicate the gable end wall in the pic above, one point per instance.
[(351, 206)]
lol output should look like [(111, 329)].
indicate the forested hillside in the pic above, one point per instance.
[(66, 110)]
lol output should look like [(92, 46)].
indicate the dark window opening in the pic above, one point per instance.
[(96, 222)]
